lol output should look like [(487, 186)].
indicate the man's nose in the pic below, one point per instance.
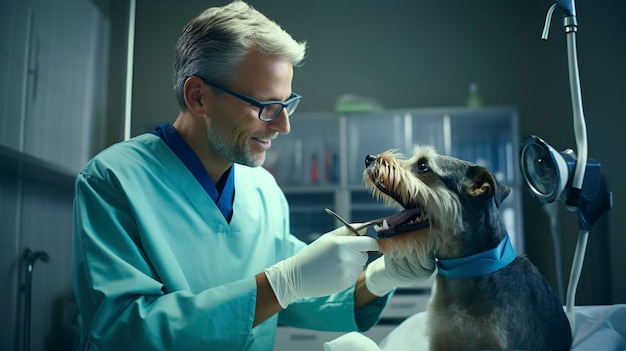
[(281, 123)]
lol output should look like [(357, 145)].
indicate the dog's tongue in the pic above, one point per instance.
[(405, 221), (399, 217)]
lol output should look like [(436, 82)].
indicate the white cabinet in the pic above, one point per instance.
[(53, 69), (53, 78), (14, 30)]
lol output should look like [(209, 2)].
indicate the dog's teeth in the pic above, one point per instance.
[(376, 228), (385, 225)]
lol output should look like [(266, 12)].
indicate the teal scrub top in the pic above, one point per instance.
[(156, 266)]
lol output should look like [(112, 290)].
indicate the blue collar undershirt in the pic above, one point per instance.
[(223, 199), (480, 264)]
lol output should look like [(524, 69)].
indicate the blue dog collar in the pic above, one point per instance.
[(480, 264)]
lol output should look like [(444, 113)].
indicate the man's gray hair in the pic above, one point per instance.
[(213, 45)]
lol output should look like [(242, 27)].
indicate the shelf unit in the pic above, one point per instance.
[(320, 163)]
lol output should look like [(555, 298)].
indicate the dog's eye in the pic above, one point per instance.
[(422, 166)]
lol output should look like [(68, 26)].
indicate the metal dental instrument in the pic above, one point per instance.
[(348, 225)]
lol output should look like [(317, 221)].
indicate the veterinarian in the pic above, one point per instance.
[(181, 242)]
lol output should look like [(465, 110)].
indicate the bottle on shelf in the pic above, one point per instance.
[(473, 98), (314, 169)]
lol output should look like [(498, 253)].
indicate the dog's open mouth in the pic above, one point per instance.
[(412, 217)]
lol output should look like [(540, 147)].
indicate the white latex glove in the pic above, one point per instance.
[(388, 272), (328, 265)]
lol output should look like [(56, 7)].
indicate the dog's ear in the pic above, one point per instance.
[(482, 182)]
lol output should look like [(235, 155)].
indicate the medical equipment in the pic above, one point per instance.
[(568, 176), (549, 176), (355, 230), (552, 211)]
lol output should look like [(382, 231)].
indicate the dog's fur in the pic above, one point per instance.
[(513, 308)]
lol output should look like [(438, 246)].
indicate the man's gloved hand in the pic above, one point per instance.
[(390, 271), (328, 265)]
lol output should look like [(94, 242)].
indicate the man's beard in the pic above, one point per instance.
[(235, 153)]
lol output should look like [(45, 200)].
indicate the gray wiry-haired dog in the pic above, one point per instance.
[(451, 216)]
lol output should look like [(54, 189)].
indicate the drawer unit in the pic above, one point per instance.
[(403, 304), (290, 339)]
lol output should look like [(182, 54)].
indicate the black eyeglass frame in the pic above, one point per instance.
[(290, 104)]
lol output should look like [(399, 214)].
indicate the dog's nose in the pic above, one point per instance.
[(369, 159)]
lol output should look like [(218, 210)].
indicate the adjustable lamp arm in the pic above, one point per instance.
[(573, 201)]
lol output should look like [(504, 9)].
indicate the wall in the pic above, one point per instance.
[(425, 53)]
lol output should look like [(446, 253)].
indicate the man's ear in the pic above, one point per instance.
[(194, 89)]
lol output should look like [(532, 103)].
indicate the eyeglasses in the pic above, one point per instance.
[(268, 110)]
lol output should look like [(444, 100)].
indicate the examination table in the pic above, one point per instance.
[(597, 328)]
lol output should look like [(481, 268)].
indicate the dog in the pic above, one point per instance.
[(485, 297)]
